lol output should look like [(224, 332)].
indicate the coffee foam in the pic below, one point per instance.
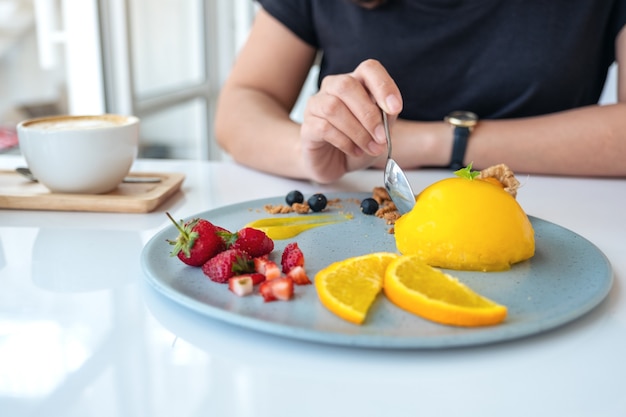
[(78, 122)]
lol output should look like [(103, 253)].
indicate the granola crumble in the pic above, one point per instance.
[(504, 175)]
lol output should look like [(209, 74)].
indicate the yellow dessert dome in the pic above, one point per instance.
[(466, 223)]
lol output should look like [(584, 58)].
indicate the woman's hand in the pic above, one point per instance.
[(342, 128)]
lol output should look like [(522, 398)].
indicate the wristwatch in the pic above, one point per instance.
[(463, 123)]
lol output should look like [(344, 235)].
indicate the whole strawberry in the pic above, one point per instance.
[(253, 241), (228, 264), (292, 257), (197, 242)]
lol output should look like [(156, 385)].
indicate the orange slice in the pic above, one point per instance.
[(349, 287), (416, 287)]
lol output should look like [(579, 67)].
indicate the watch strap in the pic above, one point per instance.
[(459, 147)]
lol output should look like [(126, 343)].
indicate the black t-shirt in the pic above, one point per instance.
[(498, 58)]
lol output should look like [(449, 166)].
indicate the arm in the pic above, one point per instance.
[(342, 128), (589, 141), (252, 120)]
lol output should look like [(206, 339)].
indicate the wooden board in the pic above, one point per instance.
[(17, 192)]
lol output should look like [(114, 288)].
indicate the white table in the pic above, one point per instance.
[(82, 334)]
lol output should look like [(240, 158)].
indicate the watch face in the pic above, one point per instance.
[(462, 118)]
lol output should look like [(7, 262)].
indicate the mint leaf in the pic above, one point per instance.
[(467, 172)]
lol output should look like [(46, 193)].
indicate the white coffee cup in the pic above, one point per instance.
[(80, 154)]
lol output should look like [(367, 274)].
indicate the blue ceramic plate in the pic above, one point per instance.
[(567, 277)]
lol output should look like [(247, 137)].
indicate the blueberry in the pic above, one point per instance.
[(293, 197), (369, 206), (317, 202)]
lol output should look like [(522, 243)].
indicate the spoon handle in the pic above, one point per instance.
[(387, 136), (132, 180)]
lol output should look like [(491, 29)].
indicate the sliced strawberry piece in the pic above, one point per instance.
[(255, 277), (299, 276), (292, 257), (277, 289), (267, 267), (241, 285), (228, 264)]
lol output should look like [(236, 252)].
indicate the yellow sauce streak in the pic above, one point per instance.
[(279, 228)]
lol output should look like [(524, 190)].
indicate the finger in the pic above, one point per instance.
[(353, 110), (328, 117), (317, 132), (377, 81)]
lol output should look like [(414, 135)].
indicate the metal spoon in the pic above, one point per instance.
[(396, 183), (28, 174)]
